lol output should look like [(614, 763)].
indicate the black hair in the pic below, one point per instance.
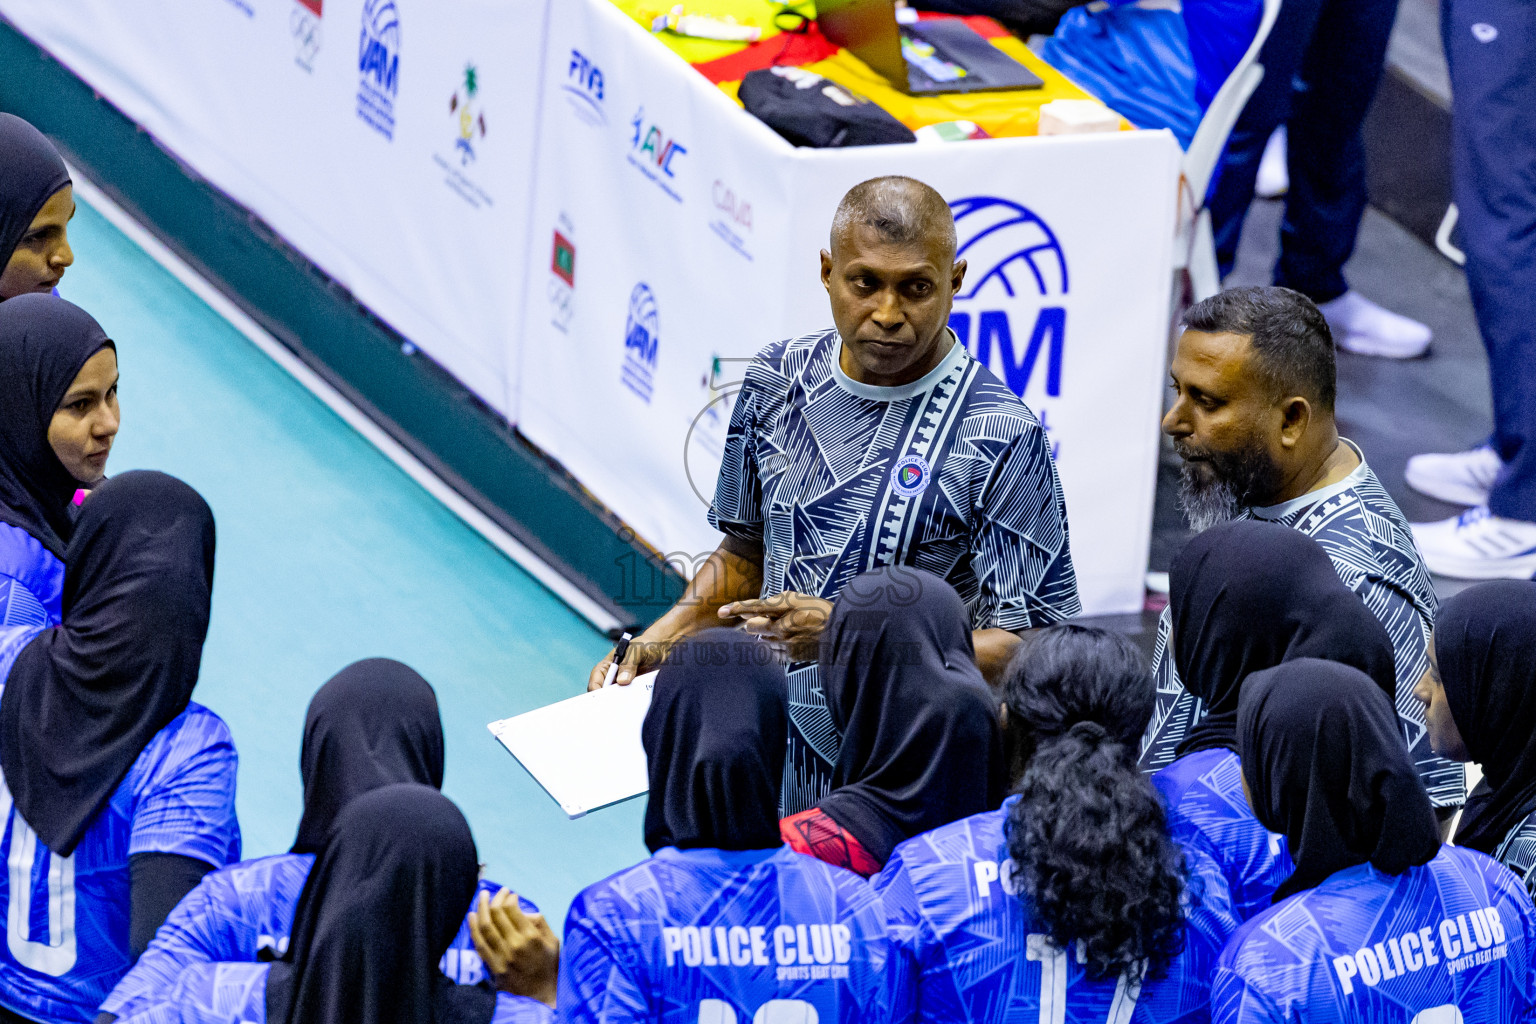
[(902, 211), (1092, 857), (1289, 335)]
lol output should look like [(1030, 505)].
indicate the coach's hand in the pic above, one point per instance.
[(521, 953), (645, 653), (792, 622)]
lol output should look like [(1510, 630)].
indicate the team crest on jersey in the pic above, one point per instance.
[(910, 476)]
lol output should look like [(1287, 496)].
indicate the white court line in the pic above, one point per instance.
[(354, 417)]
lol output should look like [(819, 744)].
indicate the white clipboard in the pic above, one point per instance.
[(584, 751)]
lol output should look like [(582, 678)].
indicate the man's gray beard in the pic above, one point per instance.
[(1206, 501)]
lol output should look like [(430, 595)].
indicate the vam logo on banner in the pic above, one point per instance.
[(1010, 312), (378, 66), (642, 329)]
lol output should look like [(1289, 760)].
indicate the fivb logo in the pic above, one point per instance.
[(1009, 313), (584, 89)]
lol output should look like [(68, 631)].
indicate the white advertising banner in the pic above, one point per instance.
[(674, 237), (594, 238), (671, 208), (387, 140)]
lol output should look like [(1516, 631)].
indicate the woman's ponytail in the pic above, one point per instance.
[(1092, 857)]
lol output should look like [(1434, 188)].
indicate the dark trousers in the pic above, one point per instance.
[(1322, 63), (1491, 47)]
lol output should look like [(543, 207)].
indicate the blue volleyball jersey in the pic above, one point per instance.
[(241, 912), (31, 581), (66, 918), (979, 958), (225, 993), (1207, 810), (730, 937), (1448, 942)]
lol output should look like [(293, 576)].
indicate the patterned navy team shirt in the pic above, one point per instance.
[(1448, 942), (1518, 853), (1371, 547), (951, 473)]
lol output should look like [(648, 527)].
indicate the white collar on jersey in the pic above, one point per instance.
[(1311, 498), (952, 361)]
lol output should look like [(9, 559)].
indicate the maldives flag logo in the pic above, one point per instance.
[(563, 262)]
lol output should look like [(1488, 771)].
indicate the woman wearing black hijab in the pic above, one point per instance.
[(36, 204), (921, 742), (723, 919), (1379, 922), (58, 418), (1480, 704), (1244, 597), (373, 724), (378, 911), (121, 790)]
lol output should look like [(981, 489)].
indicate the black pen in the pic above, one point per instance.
[(619, 650)]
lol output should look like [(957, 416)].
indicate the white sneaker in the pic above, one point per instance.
[(1274, 179), (1478, 545), (1364, 328), (1463, 478)]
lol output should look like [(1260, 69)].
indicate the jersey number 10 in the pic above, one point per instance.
[(56, 956)]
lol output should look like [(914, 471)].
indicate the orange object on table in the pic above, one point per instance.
[(999, 114)]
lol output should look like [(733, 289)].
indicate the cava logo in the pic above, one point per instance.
[(378, 66), (654, 154), (641, 339), (1010, 313), (584, 89), (732, 221)]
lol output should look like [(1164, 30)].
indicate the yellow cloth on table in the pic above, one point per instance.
[(999, 114)]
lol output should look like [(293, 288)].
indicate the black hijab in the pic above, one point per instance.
[(1248, 595), (1485, 644), (373, 724), (31, 171), (1326, 765), (715, 738), (921, 742), (385, 898), (44, 341), (84, 699)]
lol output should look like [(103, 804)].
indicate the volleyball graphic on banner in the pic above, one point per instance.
[(1010, 311)]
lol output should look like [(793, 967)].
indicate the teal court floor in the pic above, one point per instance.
[(327, 553)]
